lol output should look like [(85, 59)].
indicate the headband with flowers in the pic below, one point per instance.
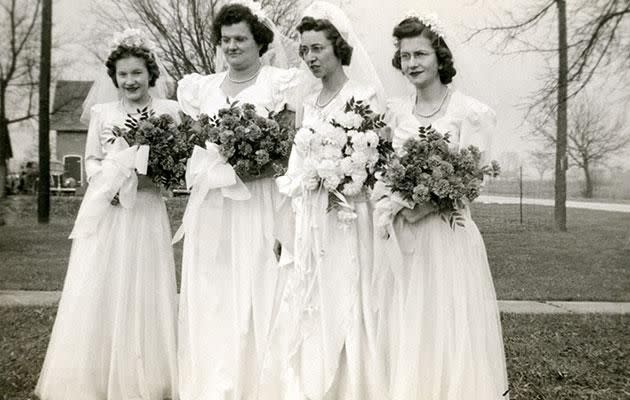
[(131, 38), (431, 20)]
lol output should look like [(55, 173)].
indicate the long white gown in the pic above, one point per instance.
[(328, 312), (114, 335), (440, 321), (231, 281)]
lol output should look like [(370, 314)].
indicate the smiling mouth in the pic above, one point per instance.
[(314, 68), (415, 74)]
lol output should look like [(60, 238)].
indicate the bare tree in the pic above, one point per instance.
[(182, 28), (542, 160), (590, 41), (594, 139), (284, 13), (18, 70)]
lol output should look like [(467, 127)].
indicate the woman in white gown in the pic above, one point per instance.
[(328, 310), (231, 280), (445, 329), (114, 335)]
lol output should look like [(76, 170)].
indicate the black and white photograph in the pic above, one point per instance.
[(314, 200)]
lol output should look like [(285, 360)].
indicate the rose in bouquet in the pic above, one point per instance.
[(344, 154), (430, 171), (168, 151), (255, 146)]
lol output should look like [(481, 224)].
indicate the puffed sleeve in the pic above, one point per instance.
[(368, 95), (286, 84), (172, 108), (399, 118), (93, 148), (478, 127), (189, 92)]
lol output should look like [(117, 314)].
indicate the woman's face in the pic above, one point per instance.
[(239, 46), (132, 77), (318, 53), (418, 61)]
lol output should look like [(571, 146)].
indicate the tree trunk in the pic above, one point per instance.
[(43, 195), (560, 209), (5, 143), (588, 190)]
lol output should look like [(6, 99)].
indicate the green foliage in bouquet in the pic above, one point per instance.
[(256, 146), (168, 151), (429, 171)]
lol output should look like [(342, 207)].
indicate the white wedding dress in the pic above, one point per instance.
[(327, 315), (114, 334), (231, 281), (439, 323)]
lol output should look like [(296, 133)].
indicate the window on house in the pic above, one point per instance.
[(73, 168)]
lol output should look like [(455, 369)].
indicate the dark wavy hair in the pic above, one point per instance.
[(126, 52), (412, 27), (343, 51), (233, 14)]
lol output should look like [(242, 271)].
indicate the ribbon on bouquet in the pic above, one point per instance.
[(118, 175), (387, 206), (208, 169)]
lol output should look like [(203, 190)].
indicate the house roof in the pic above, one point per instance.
[(68, 105)]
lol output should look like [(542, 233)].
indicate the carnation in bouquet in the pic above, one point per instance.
[(344, 154), (430, 171), (168, 151), (255, 146)]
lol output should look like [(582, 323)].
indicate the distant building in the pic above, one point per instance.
[(70, 131)]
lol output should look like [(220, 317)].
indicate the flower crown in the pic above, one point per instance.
[(431, 20), (131, 38)]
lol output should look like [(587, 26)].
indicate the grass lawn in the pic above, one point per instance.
[(554, 357), (531, 261)]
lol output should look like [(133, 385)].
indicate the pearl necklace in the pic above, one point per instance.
[(436, 110), (246, 79)]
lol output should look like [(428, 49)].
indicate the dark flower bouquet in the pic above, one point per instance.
[(428, 171), (168, 151), (255, 146)]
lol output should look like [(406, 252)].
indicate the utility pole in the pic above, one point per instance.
[(560, 206), (43, 194)]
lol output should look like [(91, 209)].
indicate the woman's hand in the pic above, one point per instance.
[(417, 213)]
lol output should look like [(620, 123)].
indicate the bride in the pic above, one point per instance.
[(328, 310)]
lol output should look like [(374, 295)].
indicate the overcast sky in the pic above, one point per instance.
[(500, 81)]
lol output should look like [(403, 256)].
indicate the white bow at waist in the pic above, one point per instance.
[(208, 169), (117, 176)]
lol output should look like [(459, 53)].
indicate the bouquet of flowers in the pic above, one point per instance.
[(168, 151), (344, 154), (255, 146), (429, 171)]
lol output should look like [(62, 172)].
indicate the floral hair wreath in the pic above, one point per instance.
[(131, 38), (430, 20)]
